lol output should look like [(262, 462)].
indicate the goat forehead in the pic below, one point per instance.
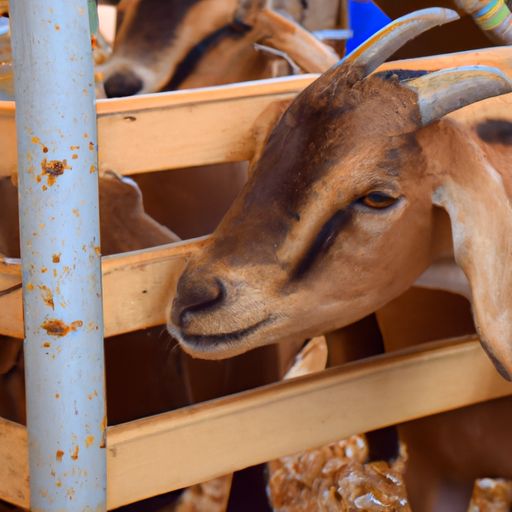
[(154, 22), (323, 135), (323, 142)]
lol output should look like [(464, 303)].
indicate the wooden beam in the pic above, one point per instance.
[(191, 445), (136, 288), (155, 455), (204, 126), (137, 285), (14, 464), (8, 150), (172, 130), (11, 309)]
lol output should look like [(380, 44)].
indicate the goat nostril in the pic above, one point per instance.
[(194, 297), (122, 84)]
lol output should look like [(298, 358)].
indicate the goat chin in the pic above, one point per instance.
[(221, 347)]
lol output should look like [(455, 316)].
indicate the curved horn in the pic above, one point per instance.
[(443, 91), (375, 50)]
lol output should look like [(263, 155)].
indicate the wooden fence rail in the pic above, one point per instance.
[(181, 129), (158, 454)]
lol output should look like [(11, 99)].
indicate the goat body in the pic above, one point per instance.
[(361, 185)]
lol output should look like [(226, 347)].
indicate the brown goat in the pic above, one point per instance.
[(162, 45), (358, 189), (354, 182)]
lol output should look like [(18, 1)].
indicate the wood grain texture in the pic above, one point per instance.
[(133, 146), (180, 448), (191, 445), (136, 288), (14, 464), (204, 126), (11, 310), (172, 130)]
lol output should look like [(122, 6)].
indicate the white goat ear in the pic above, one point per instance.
[(374, 51), (473, 194)]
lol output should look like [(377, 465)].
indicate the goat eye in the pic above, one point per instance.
[(378, 200)]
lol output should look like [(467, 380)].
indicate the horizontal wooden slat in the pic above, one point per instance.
[(208, 126), (204, 126), (11, 310), (136, 288), (180, 448), (14, 464), (177, 449), (172, 130)]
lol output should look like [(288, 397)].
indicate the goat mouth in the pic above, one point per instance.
[(206, 343)]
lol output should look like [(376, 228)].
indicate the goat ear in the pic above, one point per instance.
[(472, 191)]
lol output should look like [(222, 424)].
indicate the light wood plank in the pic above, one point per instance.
[(500, 57), (181, 448), (209, 127), (184, 447), (14, 464), (11, 308), (136, 288), (172, 130), (215, 111), (204, 126), (8, 148)]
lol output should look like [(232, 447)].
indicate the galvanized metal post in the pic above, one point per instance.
[(57, 159)]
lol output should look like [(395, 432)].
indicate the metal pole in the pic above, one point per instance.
[(57, 159)]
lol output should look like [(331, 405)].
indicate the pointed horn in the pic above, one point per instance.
[(375, 50), (443, 91)]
